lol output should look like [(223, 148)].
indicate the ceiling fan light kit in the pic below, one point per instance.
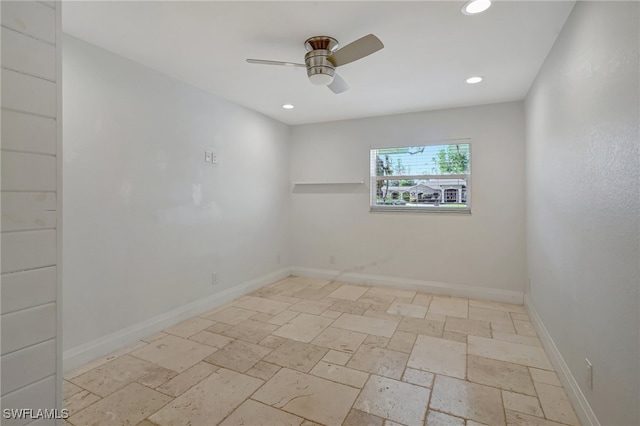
[(323, 57)]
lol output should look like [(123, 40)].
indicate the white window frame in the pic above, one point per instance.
[(373, 207)]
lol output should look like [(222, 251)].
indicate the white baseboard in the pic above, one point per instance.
[(75, 357), (580, 404), (459, 290)]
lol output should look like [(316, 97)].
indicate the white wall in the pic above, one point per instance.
[(147, 221), (484, 250), (31, 343), (583, 207)]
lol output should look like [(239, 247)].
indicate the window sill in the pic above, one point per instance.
[(402, 209)]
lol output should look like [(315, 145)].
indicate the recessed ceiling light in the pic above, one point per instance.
[(474, 80), (473, 7), (287, 106)]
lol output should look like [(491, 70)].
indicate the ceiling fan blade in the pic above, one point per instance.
[(265, 62), (338, 85), (358, 49)]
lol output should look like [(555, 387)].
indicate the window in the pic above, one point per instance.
[(428, 178)]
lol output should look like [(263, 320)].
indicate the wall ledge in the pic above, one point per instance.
[(82, 354), (578, 400), (459, 290)]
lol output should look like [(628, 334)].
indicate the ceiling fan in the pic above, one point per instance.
[(323, 57)]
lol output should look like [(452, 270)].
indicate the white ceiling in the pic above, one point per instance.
[(430, 49)]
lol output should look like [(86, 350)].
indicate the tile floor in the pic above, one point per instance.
[(305, 351)]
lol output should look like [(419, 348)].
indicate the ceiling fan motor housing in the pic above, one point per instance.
[(319, 69)]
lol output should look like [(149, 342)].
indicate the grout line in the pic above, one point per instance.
[(35, 114), (29, 35), (20, 151)]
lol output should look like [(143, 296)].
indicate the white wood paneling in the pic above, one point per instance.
[(29, 133), (28, 250), (22, 290), (51, 4), (28, 211), (23, 92), (29, 17), (28, 172), (28, 55), (37, 395), (28, 365), (28, 327)]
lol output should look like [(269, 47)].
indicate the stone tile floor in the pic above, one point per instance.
[(305, 351)]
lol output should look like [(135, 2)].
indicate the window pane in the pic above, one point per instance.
[(422, 160)]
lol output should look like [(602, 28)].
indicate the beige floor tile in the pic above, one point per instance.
[(417, 377), (155, 337), (521, 317), (422, 299), (174, 353), (128, 406), (426, 327), (310, 423), (517, 338), (544, 376), (402, 341), (296, 355), (456, 337), (525, 328), (340, 374), (251, 331), (272, 342), (497, 306), (378, 302), (266, 306), (500, 374), (308, 396), (375, 360), (520, 419), (254, 413), (188, 378), (283, 317), (103, 360), (69, 389), (439, 356), (375, 326), (189, 327), (490, 315), (349, 307), (219, 327), (397, 401), (377, 341), (316, 293), (407, 309), (435, 418), (231, 315), (360, 418), (303, 328), (468, 400), (521, 403), (451, 307), (120, 372), (555, 404), (503, 327), (286, 297), (315, 307), (337, 357), (208, 402), (79, 401), (331, 314), (348, 292), (238, 356), (263, 370), (339, 339), (393, 292), (474, 423), (261, 317), (211, 339), (383, 315), (468, 326), (510, 352)]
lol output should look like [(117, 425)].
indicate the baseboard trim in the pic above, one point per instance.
[(459, 290), (580, 404), (79, 355)]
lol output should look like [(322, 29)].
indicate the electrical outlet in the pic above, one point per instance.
[(589, 373), (332, 260), (208, 156), (214, 278), (214, 157)]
